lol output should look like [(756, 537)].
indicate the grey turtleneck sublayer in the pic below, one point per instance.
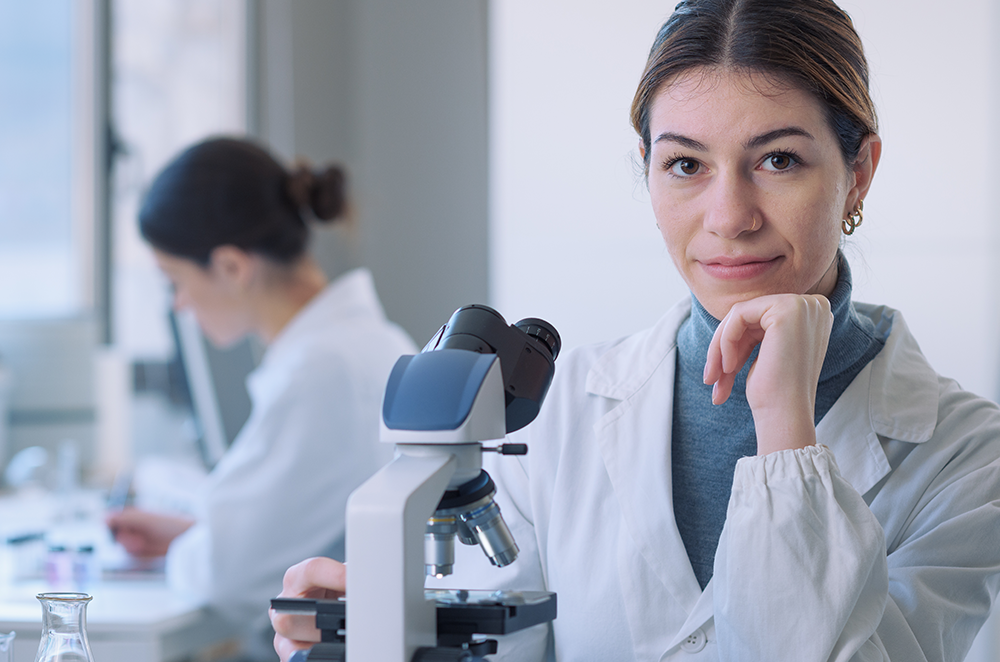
[(709, 439)]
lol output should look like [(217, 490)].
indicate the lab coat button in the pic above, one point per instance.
[(694, 642)]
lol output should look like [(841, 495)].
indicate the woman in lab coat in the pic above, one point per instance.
[(229, 228), (772, 472)]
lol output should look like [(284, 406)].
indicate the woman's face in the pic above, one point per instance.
[(748, 187), (210, 293)]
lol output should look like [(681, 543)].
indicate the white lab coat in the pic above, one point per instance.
[(279, 493), (908, 463)]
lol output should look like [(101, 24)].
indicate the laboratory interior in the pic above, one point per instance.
[(490, 160)]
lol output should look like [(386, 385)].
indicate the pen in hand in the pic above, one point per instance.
[(118, 496)]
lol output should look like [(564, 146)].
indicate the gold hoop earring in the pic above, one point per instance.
[(853, 220)]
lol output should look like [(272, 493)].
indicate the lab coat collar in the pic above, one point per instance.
[(346, 297), (624, 369), (342, 302)]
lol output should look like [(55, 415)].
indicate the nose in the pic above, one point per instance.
[(731, 209)]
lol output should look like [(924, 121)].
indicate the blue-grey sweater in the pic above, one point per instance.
[(708, 439)]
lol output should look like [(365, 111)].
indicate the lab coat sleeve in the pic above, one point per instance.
[(280, 494), (803, 571)]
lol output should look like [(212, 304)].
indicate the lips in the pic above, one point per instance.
[(738, 268)]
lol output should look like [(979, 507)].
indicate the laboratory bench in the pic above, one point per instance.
[(129, 620), (134, 616)]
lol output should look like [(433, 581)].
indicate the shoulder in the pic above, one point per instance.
[(342, 336), (908, 393), (617, 369), (909, 401), (328, 369), (592, 380)]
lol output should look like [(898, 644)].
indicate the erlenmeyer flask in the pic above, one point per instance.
[(64, 628), (6, 646)]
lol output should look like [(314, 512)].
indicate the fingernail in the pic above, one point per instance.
[(704, 374)]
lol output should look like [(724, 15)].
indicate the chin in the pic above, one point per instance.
[(222, 338), (720, 305), (225, 342)]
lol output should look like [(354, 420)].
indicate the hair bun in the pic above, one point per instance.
[(319, 191), (299, 184), (327, 196)]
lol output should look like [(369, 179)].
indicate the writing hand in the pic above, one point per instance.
[(143, 533)]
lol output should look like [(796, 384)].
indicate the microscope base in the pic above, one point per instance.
[(460, 615)]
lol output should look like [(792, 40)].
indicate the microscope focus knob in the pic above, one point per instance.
[(543, 332)]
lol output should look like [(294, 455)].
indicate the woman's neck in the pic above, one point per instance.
[(285, 291)]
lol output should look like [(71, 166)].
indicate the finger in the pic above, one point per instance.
[(295, 627), (315, 577), (739, 333), (286, 647), (133, 543), (731, 345), (713, 361), (723, 388), (119, 518)]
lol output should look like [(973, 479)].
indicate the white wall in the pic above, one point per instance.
[(572, 237), (572, 234)]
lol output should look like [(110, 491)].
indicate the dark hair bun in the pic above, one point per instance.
[(327, 197), (318, 191)]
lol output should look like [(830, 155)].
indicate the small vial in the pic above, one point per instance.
[(59, 567), (86, 571)]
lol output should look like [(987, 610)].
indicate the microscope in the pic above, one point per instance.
[(475, 381)]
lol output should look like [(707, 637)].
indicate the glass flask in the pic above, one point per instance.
[(6, 646), (64, 628)]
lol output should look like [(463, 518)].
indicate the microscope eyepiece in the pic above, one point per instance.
[(543, 332), (527, 352)]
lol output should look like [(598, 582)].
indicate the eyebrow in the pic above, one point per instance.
[(683, 141), (753, 143), (770, 136)]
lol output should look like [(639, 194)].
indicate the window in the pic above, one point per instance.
[(178, 75), (44, 247)]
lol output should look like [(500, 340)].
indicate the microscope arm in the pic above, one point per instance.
[(388, 617)]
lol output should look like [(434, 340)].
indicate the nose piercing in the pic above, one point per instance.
[(754, 226)]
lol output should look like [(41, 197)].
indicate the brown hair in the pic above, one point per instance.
[(810, 44), (232, 191)]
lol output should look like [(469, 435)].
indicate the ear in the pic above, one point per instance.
[(864, 170), (231, 266), (642, 151)]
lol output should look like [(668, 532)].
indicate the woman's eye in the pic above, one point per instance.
[(685, 167), (778, 162)]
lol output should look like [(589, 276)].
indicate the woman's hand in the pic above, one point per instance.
[(316, 578), (793, 332), (144, 533)]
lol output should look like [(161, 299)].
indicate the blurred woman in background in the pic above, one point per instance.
[(229, 228)]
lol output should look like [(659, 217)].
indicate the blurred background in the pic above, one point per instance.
[(491, 160)]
